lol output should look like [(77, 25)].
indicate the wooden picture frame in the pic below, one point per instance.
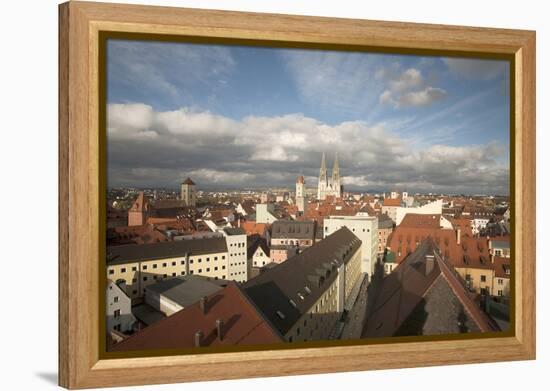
[(80, 168)]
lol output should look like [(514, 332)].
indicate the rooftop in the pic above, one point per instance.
[(242, 325), (292, 287), (180, 248), (293, 229), (184, 290)]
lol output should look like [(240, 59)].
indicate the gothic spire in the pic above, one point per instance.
[(336, 171), (323, 171)]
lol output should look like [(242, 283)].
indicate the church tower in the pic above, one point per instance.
[(323, 183), (189, 192), (336, 185), (137, 215), (301, 201)]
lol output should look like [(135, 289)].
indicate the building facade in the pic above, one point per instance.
[(139, 266), (189, 192), (237, 259), (119, 308), (365, 228)]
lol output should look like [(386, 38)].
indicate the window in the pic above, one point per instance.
[(207, 259), (191, 272), (215, 268), (500, 281), (111, 271), (134, 280), (183, 273), (164, 275), (116, 314), (144, 278), (183, 262), (134, 269), (164, 264), (115, 299), (173, 274), (173, 263), (144, 267), (191, 261), (207, 269), (200, 270), (123, 270), (223, 256), (483, 278), (215, 258), (223, 266), (154, 266)]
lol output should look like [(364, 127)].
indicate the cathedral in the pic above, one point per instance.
[(332, 186)]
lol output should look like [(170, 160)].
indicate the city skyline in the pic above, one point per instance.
[(246, 117)]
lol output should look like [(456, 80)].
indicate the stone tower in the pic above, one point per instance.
[(323, 182), (137, 214), (301, 201), (335, 182), (189, 192)]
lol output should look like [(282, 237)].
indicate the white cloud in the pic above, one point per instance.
[(408, 89), (476, 69), (259, 151)]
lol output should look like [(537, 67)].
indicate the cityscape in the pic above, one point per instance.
[(311, 209)]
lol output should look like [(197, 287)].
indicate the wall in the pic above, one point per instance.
[(365, 228), (34, 116)]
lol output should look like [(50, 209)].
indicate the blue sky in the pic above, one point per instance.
[(234, 116)]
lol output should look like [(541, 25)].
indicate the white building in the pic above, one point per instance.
[(365, 228), (432, 208), (265, 214), (119, 309), (478, 223), (237, 257)]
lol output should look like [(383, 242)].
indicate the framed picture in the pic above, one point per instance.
[(247, 195)]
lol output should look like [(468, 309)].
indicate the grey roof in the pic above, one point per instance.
[(141, 252), (417, 299), (234, 231), (384, 221), (495, 243), (184, 290), (314, 268), (255, 241), (283, 229)]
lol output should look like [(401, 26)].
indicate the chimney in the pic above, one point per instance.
[(219, 328), (198, 339), (430, 261), (203, 305), (458, 236)]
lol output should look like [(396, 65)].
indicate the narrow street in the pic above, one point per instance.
[(355, 319)]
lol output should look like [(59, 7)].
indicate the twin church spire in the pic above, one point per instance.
[(332, 186)]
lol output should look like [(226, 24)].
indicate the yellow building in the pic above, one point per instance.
[(138, 266)]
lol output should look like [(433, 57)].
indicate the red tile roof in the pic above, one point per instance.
[(501, 265), (392, 202), (413, 220), (242, 325)]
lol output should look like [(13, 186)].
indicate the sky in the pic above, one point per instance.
[(234, 117)]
